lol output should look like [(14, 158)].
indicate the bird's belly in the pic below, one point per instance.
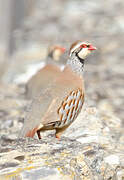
[(70, 108)]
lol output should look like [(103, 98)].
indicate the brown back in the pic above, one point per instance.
[(44, 107)]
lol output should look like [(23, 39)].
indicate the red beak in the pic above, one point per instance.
[(91, 48), (63, 49)]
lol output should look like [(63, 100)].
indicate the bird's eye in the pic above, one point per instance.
[(83, 46), (88, 46)]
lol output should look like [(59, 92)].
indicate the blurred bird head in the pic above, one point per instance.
[(55, 52)]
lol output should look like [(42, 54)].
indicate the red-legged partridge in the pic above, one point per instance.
[(62, 95), (35, 83)]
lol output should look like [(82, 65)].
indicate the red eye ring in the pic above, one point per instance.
[(83, 46)]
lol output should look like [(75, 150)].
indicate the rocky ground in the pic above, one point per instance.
[(93, 147)]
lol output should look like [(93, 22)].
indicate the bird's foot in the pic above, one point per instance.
[(38, 134), (58, 136)]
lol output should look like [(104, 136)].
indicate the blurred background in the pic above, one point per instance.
[(28, 28)]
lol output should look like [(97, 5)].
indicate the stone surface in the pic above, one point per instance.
[(92, 148)]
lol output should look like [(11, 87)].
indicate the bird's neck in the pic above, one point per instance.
[(76, 64)]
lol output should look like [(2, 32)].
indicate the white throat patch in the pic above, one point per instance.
[(83, 53)]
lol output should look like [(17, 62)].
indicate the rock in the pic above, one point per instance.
[(88, 150)]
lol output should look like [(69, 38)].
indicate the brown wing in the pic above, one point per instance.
[(39, 87), (44, 107), (36, 111), (41, 80), (65, 84)]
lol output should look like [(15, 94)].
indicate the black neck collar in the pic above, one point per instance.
[(80, 59)]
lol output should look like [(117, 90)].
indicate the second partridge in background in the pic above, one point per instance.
[(53, 62)]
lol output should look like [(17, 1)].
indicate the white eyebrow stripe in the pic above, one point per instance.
[(75, 47)]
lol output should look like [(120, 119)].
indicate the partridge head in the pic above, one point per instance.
[(61, 98), (55, 52)]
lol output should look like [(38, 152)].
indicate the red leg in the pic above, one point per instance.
[(58, 133), (58, 137)]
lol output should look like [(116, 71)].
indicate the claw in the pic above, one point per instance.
[(38, 133)]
